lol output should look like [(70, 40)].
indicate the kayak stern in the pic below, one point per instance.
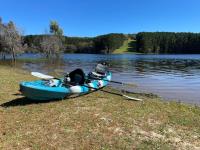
[(36, 91)]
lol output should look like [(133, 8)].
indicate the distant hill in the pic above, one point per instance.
[(103, 44), (129, 46), (118, 43)]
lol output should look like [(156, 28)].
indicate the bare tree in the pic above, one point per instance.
[(51, 45), (10, 39), (13, 39), (2, 29)]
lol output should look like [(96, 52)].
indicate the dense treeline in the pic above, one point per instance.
[(168, 42), (78, 45), (108, 43), (100, 44), (54, 42), (33, 42)]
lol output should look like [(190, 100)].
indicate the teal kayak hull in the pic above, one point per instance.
[(40, 90), (36, 90)]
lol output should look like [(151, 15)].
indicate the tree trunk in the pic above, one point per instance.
[(13, 54), (3, 56), (107, 50)]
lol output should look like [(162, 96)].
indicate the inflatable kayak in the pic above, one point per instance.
[(58, 89)]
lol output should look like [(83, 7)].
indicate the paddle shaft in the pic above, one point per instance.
[(107, 80), (117, 82), (126, 96), (47, 77)]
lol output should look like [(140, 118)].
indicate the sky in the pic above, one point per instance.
[(97, 17)]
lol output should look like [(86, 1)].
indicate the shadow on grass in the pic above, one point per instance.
[(23, 101)]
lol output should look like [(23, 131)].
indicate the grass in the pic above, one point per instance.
[(129, 46), (94, 121)]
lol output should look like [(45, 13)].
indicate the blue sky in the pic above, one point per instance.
[(96, 17)]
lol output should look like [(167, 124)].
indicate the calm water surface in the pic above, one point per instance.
[(170, 76)]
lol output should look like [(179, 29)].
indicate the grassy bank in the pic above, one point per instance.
[(94, 121)]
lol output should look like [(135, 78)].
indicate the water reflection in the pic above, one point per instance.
[(171, 76)]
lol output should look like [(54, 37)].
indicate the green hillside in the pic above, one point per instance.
[(129, 46)]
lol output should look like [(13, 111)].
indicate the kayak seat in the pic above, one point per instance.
[(101, 69), (77, 77), (95, 76), (99, 73)]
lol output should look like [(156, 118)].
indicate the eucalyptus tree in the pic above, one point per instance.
[(1, 29), (51, 43), (10, 39), (13, 39), (3, 49), (55, 29)]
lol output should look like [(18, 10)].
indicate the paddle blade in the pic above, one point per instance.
[(41, 75), (132, 98)]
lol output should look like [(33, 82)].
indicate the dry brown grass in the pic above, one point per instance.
[(94, 121)]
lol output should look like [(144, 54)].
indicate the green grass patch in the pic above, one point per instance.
[(95, 121)]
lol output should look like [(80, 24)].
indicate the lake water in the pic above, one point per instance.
[(170, 76)]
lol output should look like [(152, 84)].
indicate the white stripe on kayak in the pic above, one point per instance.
[(75, 89)]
